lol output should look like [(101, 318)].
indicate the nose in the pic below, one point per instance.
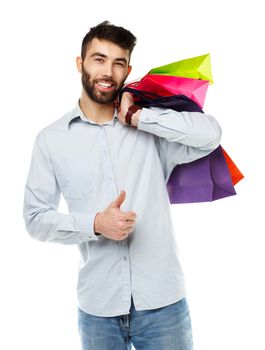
[(108, 69)]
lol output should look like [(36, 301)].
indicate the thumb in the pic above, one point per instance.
[(119, 200)]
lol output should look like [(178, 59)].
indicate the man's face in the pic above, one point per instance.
[(104, 70)]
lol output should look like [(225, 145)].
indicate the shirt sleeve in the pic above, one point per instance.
[(41, 201), (181, 137)]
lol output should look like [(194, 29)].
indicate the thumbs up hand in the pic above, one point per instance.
[(113, 223)]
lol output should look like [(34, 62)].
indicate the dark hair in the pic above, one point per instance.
[(107, 31)]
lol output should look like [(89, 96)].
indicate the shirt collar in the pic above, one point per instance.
[(78, 114)]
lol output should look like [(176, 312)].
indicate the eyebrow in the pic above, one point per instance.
[(119, 59)]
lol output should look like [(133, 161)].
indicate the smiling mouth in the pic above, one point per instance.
[(105, 85)]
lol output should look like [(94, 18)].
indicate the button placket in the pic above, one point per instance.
[(107, 167), (113, 189), (125, 270)]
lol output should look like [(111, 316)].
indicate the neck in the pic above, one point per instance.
[(97, 112)]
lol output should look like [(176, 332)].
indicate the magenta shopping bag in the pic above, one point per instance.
[(166, 85)]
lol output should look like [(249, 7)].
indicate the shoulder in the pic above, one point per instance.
[(58, 126)]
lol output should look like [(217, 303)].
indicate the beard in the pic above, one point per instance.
[(101, 97)]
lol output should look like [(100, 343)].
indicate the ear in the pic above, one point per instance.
[(129, 70), (79, 62)]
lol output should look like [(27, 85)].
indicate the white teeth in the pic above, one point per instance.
[(105, 85)]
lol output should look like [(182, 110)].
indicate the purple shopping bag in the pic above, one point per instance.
[(203, 180)]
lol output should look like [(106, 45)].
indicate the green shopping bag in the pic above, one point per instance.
[(196, 67)]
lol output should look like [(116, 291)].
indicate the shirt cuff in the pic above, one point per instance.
[(85, 225)]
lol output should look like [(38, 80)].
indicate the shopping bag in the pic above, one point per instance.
[(166, 85), (196, 67), (235, 173), (203, 180)]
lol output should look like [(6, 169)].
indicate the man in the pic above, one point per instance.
[(131, 286)]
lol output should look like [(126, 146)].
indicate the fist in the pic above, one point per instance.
[(126, 102)]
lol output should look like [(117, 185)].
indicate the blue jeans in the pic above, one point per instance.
[(165, 328)]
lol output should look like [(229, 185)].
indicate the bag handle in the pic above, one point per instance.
[(138, 93), (149, 99)]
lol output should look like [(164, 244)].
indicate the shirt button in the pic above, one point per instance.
[(125, 258)]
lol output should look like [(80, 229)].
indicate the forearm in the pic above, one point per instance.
[(46, 224), (188, 128)]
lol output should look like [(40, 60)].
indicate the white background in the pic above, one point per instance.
[(221, 243)]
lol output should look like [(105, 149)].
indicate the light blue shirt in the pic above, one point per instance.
[(89, 164)]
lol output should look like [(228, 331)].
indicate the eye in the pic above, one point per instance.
[(120, 64), (99, 60)]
